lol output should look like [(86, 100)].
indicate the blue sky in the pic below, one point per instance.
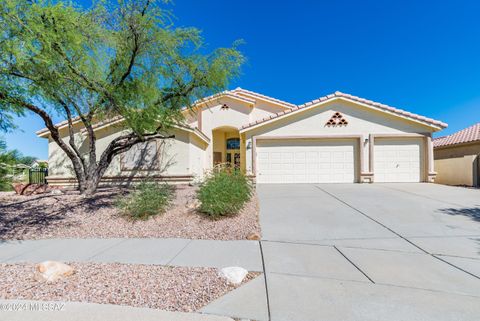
[(422, 56)]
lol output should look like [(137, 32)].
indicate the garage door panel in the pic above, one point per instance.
[(397, 160), (307, 162), (276, 166)]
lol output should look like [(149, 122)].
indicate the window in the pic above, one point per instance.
[(233, 143)]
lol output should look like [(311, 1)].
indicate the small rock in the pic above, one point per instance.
[(234, 274), (254, 236), (193, 204), (56, 192), (50, 271)]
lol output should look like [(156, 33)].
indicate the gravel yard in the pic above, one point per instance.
[(152, 286), (73, 216)]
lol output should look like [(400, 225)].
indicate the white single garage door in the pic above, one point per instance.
[(397, 160), (316, 161)]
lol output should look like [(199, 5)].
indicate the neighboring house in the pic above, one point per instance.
[(39, 163), (456, 157), (338, 138)]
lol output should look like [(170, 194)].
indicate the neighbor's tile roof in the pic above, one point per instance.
[(338, 94), (467, 135)]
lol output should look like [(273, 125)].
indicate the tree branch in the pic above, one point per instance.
[(124, 143), (71, 133), (52, 128)]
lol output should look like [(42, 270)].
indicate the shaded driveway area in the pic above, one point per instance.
[(364, 252)]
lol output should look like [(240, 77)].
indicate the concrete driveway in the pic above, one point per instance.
[(365, 252)]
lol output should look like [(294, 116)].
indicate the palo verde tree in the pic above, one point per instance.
[(122, 59)]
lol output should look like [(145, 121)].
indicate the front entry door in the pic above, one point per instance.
[(233, 158)]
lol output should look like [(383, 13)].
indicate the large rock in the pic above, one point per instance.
[(18, 188), (234, 274), (254, 236), (30, 189), (50, 271)]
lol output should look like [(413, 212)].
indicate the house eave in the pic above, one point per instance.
[(45, 133), (330, 98)]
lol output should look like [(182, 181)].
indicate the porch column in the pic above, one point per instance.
[(243, 159), (366, 174), (431, 174)]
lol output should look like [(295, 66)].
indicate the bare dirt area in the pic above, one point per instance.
[(72, 216), (152, 286)]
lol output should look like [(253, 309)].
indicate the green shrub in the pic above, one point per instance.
[(148, 199), (224, 192)]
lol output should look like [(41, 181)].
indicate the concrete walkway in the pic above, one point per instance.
[(21, 310), (177, 252)]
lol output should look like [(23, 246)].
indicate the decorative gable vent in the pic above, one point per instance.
[(337, 120)]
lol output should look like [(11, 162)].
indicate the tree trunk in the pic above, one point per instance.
[(91, 186), (82, 183)]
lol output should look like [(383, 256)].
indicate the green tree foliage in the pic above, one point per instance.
[(122, 59)]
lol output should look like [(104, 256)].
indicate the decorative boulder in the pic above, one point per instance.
[(18, 188), (30, 189), (56, 192), (50, 271), (254, 236), (233, 274)]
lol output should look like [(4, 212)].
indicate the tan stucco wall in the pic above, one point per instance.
[(361, 121), (218, 142), (458, 165), (456, 151), (231, 119), (182, 155), (197, 156)]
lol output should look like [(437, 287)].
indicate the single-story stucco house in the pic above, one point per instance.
[(338, 138), (456, 157)]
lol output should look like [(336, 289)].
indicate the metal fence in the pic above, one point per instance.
[(37, 175)]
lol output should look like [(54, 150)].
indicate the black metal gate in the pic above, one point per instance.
[(37, 175)]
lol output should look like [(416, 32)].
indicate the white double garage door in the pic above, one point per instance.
[(336, 161)]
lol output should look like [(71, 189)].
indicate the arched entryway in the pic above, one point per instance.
[(227, 147)]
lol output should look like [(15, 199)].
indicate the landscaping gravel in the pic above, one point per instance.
[(72, 216), (153, 286)]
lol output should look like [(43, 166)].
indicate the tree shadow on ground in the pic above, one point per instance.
[(39, 214), (471, 212)]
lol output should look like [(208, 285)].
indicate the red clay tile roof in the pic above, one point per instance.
[(264, 97), (467, 135), (338, 94)]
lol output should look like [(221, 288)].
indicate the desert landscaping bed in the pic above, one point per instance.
[(72, 216), (153, 286)]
